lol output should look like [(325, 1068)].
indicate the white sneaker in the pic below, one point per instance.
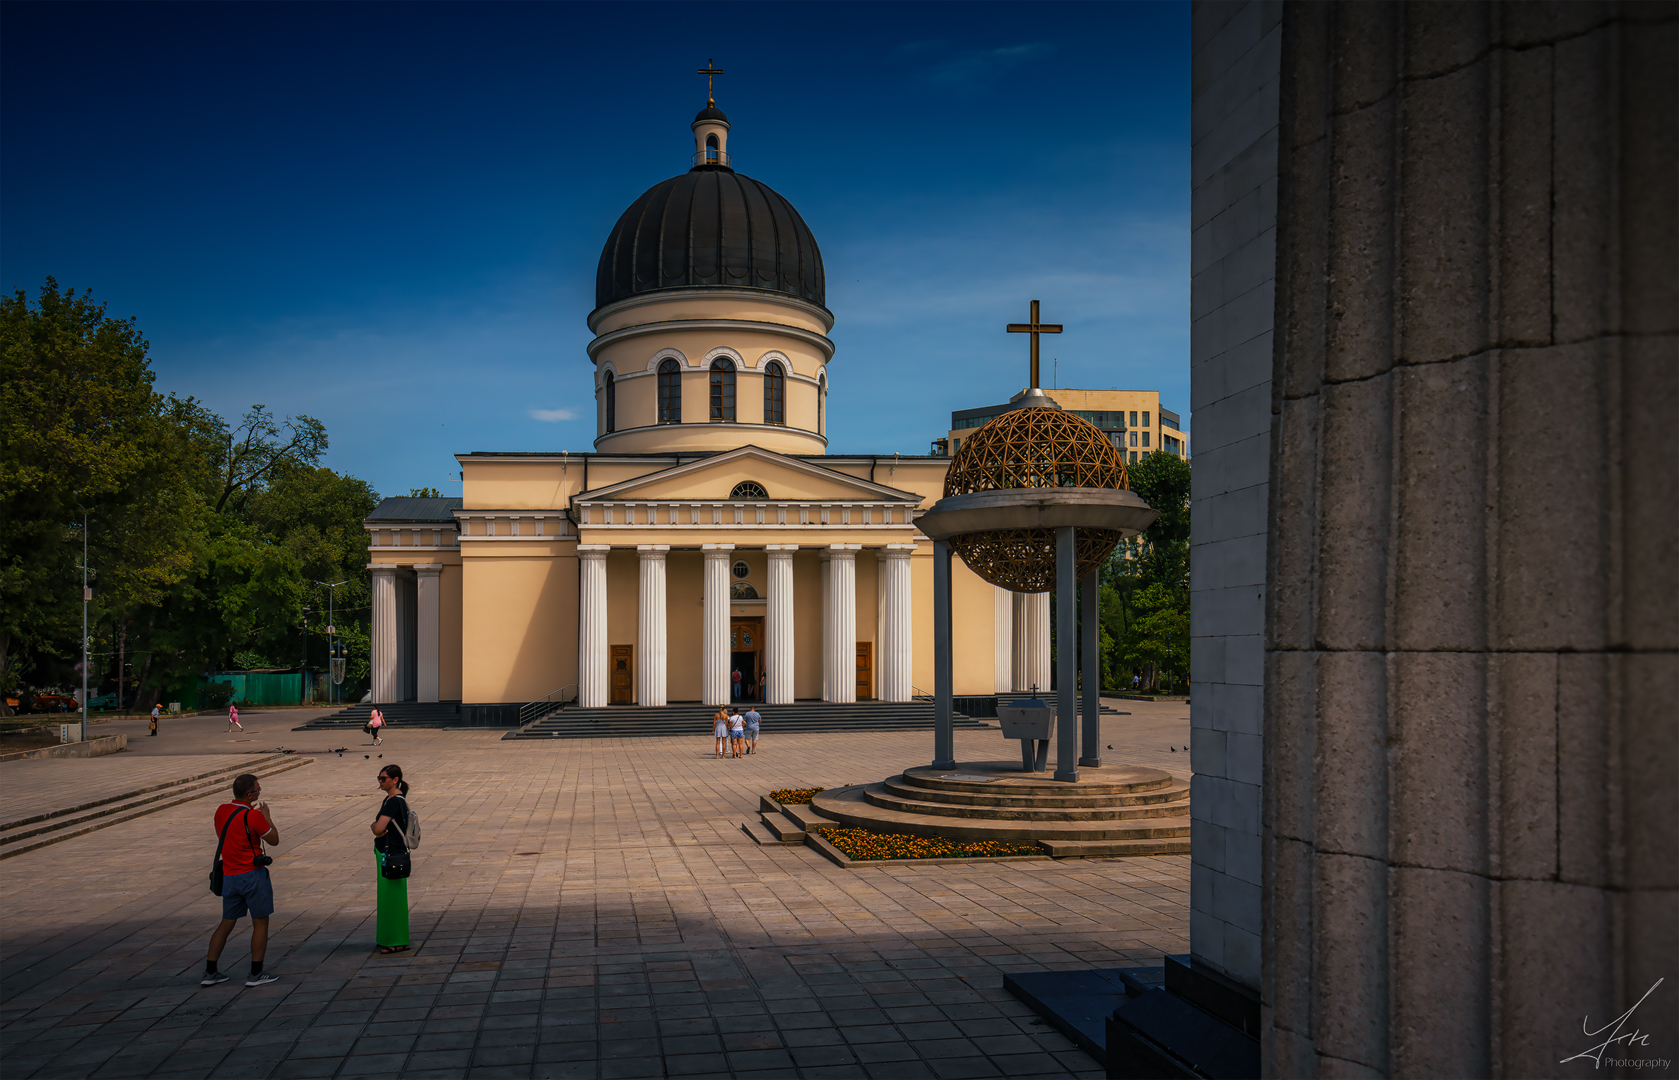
[(263, 979), (211, 980)]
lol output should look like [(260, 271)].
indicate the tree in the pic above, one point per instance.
[(1145, 586), (80, 427)]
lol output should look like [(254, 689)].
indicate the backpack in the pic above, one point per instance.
[(410, 836)]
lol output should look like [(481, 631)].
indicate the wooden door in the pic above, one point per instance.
[(623, 675), (865, 670)]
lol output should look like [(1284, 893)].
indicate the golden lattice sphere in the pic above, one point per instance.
[(1035, 447)]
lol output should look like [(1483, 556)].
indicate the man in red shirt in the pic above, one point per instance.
[(247, 824)]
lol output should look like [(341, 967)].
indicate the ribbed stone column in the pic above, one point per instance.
[(384, 634), (591, 625), (897, 649), (839, 623), (650, 626), (778, 625), (714, 643), (428, 598), (1002, 639), (1031, 641)]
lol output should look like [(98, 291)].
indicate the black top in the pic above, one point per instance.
[(711, 112), (397, 808), (710, 226)]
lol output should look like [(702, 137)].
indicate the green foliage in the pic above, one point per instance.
[(1145, 586), (424, 493), (205, 540)]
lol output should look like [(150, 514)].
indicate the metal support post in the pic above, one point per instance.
[(1090, 665), (944, 737), (1066, 654)]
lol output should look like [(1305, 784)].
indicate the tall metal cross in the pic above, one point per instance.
[(1034, 328), (709, 71)]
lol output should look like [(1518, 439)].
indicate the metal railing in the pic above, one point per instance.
[(712, 157), (545, 706)]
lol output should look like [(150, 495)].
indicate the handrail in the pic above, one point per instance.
[(919, 693), (544, 706)]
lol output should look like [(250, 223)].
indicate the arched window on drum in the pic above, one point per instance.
[(670, 392), (722, 391), (611, 403), (775, 394), (711, 148)]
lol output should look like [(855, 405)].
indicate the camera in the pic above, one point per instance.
[(263, 860)]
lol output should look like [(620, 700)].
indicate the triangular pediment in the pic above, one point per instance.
[(783, 478)]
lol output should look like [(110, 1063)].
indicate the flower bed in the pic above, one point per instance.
[(796, 796), (863, 845)]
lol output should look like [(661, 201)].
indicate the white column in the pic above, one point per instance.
[(591, 625), (839, 624), (778, 625), (1002, 639), (650, 626), (1031, 642), (714, 644), (384, 634), (897, 650), (428, 586)]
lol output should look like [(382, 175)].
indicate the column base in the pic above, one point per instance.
[(943, 764), (1090, 763), (1071, 776)]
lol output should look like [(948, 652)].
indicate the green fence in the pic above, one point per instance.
[(283, 689)]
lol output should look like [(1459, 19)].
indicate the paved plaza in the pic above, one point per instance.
[(581, 909)]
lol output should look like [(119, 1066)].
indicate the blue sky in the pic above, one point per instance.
[(388, 216)]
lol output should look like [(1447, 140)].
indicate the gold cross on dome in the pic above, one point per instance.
[(1034, 328), (709, 71)]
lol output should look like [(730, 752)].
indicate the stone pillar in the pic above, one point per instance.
[(1470, 648), (591, 626), (778, 625), (428, 599), (384, 635), (714, 637), (1067, 661), (944, 734), (1002, 639), (1031, 642), (839, 623), (650, 626), (1090, 668), (897, 648)]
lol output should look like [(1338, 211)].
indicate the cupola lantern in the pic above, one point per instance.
[(711, 127)]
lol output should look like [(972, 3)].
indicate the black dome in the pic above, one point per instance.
[(710, 226), (711, 112)]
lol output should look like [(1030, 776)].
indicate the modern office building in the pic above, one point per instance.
[(1132, 419)]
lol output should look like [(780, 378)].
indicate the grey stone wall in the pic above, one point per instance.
[(1235, 48), (1473, 627)]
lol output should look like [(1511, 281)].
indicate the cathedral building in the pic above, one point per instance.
[(708, 545)]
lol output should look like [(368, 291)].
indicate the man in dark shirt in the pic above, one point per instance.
[(245, 886)]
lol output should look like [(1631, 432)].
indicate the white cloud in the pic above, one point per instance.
[(552, 415)]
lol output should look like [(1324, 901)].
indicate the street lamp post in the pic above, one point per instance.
[(332, 630), (87, 597)]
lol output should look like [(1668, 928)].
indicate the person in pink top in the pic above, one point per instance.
[(233, 718), (376, 725)]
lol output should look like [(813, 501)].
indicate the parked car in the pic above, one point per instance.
[(50, 703)]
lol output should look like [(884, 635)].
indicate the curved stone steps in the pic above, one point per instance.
[(852, 806), (1005, 778), (1176, 791), (890, 799)]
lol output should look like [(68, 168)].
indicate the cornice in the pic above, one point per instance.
[(809, 337), (665, 296)]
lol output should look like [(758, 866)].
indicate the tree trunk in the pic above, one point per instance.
[(122, 642), (5, 651)]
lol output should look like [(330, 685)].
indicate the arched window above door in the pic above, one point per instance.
[(749, 489), (775, 394)]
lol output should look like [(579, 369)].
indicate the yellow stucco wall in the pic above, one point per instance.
[(519, 621), (449, 633)]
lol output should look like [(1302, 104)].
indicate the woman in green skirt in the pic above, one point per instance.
[(391, 932)]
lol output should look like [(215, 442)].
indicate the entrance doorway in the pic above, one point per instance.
[(746, 655), (623, 675), (865, 670)]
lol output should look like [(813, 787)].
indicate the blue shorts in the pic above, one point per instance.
[(250, 893)]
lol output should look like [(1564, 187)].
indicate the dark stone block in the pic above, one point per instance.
[(1159, 1034), (1077, 1003)]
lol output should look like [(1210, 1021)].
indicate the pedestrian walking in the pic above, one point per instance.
[(233, 718), (390, 827), (737, 732), (242, 827), (157, 711), (736, 684), (753, 723), (376, 726), (720, 728)]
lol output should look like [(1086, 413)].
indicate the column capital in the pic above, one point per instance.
[(652, 551), (717, 551), (843, 552), (897, 551), (593, 552), (428, 568), (780, 551)]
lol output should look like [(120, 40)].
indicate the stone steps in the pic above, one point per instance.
[(889, 795), (861, 807), (908, 788), (40, 830), (694, 719)]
